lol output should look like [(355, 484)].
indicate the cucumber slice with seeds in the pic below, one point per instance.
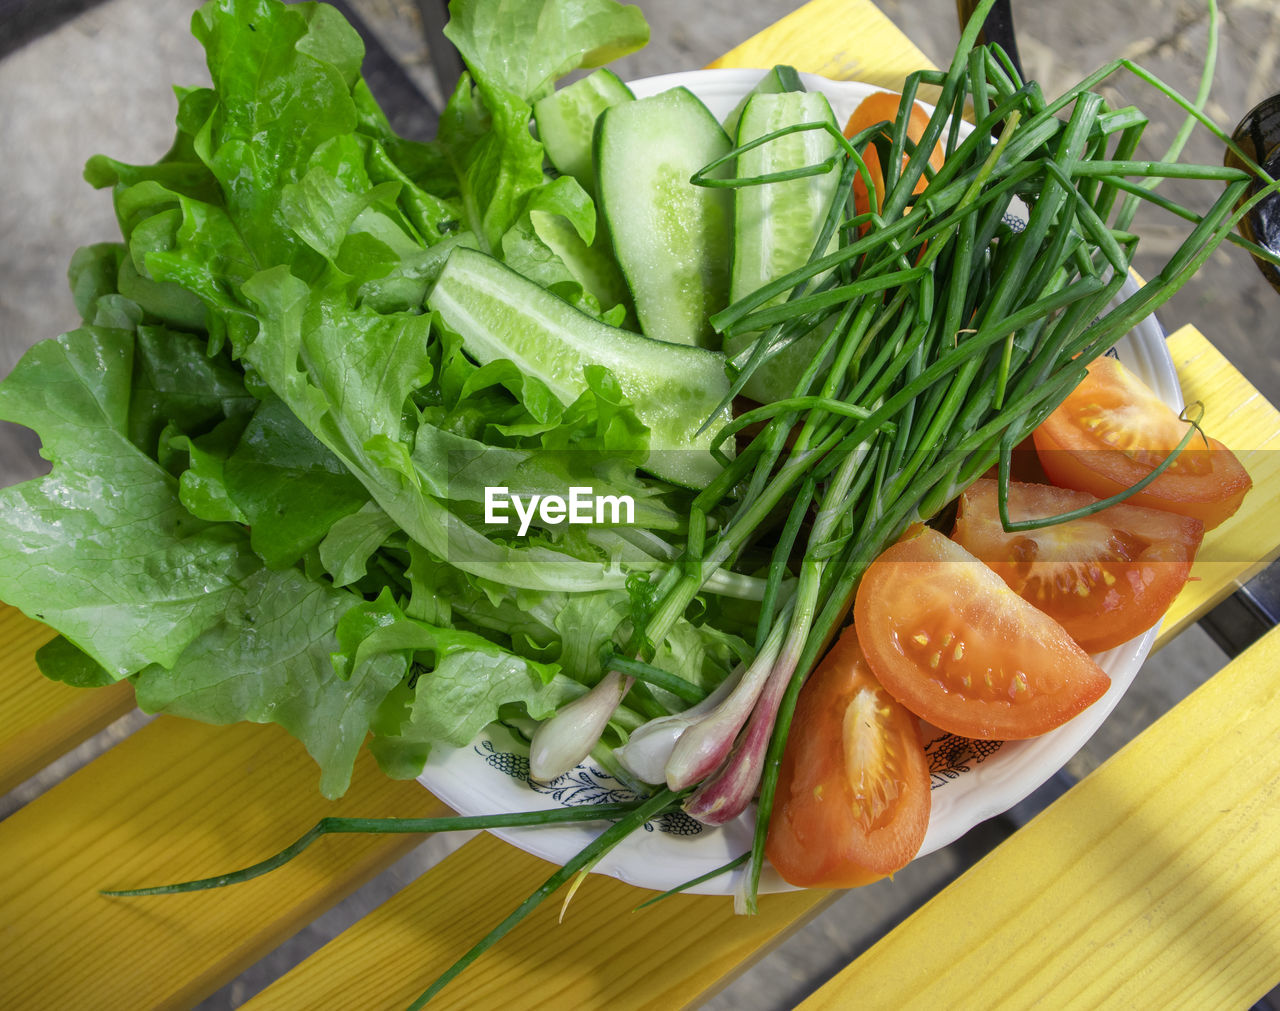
[(566, 121), (671, 237)]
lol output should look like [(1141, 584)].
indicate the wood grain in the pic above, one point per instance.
[(846, 40), (177, 800), (1241, 418), (602, 955), (43, 719), (1155, 882)]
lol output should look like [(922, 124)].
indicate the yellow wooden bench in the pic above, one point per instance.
[(1159, 870)]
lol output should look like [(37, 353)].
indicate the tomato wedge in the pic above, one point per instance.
[(852, 803), (876, 108), (951, 642), (1112, 431), (1104, 578)]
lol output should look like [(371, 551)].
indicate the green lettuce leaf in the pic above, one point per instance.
[(267, 660), (352, 541), (270, 461), (525, 47), (283, 77), (59, 659), (102, 548), (485, 133), (287, 485), (460, 682)]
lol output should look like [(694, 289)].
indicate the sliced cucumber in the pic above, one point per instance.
[(500, 314), (671, 237), (776, 225), (781, 78), (566, 122)]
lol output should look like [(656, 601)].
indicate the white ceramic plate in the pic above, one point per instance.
[(972, 781)]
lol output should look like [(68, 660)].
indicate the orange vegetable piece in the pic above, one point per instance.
[(876, 108)]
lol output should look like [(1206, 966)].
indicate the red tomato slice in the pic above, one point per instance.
[(876, 108), (1105, 578), (1113, 431), (951, 642), (853, 790)]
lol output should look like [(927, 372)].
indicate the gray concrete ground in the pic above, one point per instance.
[(101, 83)]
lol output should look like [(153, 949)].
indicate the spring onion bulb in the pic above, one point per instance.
[(567, 738), (649, 748)]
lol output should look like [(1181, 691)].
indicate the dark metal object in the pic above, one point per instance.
[(1258, 135), (997, 29), (408, 109), (1249, 613), (23, 21), (446, 61)]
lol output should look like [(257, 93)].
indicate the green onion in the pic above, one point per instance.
[(599, 846), (389, 826), (733, 864)]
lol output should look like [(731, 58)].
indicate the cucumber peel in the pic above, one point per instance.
[(500, 314)]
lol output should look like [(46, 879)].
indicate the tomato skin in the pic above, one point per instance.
[(1112, 431), (875, 108), (819, 834), (951, 642), (1105, 578)]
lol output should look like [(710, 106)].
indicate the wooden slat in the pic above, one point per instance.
[(1153, 883), (43, 719), (846, 40), (602, 955), (1241, 418), (174, 801)]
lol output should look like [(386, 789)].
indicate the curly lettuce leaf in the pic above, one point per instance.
[(460, 682), (351, 542), (102, 548), (283, 77), (346, 373), (290, 489), (267, 660), (176, 382), (306, 249), (246, 511), (525, 47)]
